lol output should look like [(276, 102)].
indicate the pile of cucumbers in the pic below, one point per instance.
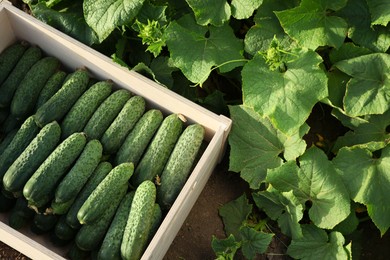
[(84, 161)]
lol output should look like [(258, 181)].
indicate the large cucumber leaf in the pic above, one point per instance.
[(315, 182), (312, 23), (367, 177)]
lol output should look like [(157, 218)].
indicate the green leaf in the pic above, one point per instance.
[(368, 92), (347, 51), (348, 225), (376, 38), (103, 16), (287, 98), (215, 12), (317, 244), (380, 11), (234, 214), (70, 21), (267, 26), (374, 128), (163, 68), (256, 145), (315, 181), (254, 242), (243, 9), (153, 13), (283, 207), (225, 248), (367, 178), (196, 49), (312, 24)]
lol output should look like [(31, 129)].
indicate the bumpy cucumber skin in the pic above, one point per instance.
[(62, 101), (26, 133), (157, 154), (101, 171), (156, 221), (78, 116), (179, 165), (90, 236), (31, 158), (10, 57), (53, 84), (111, 246), (63, 231), (83, 168), (102, 196), (32, 55), (39, 189), (139, 222), (106, 113), (139, 137), (27, 93), (116, 133)]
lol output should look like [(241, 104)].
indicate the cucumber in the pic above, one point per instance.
[(111, 245), (78, 116), (76, 178), (98, 175), (39, 189), (63, 231), (139, 222), (43, 223), (90, 236), (62, 101), (7, 90), (106, 113), (156, 221), (27, 93), (20, 214), (104, 193), (31, 158), (53, 84), (116, 133), (7, 140), (4, 112), (157, 154), (10, 57), (6, 203), (179, 165), (26, 133), (10, 123), (75, 253), (139, 137)]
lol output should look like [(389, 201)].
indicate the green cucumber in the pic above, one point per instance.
[(6, 203), (4, 112), (76, 253), (7, 140), (63, 231), (106, 113), (53, 84), (31, 158), (179, 165), (76, 178), (156, 221), (10, 57), (39, 189), (98, 175), (91, 235), (26, 133), (139, 137), (7, 90), (78, 116), (43, 223), (62, 101), (116, 133), (139, 223), (157, 154), (104, 193), (10, 123), (27, 93), (111, 245), (20, 214)]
